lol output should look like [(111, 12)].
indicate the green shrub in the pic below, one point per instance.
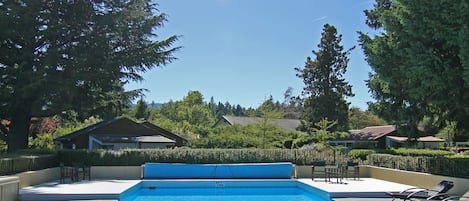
[(3, 147), (465, 153), (360, 153), (17, 164), (421, 152), (447, 166), (35, 152), (133, 157)]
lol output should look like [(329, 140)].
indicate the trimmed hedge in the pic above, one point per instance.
[(133, 157), (17, 164), (361, 154), (454, 167), (421, 152)]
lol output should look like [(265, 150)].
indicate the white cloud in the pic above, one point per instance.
[(320, 18)]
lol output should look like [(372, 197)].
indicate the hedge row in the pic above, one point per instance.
[(363, 153), (454, 167), (448, 166), (13, 165), (133, 157)]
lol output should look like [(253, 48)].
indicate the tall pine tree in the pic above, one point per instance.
[(325, 89), (420, 62), (73, 55)]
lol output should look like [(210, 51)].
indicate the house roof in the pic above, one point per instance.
[(155, 138), (89, 129), (286, 124), (163, 131), (127, 139), (121, 127), (371, 133), (420, 139)]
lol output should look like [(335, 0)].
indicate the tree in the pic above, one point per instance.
[(267, 111), (141, 110), (420, 62), (289, 106), (325, 88), (194, 110), (61, 55), (359, 119), (322, 133)]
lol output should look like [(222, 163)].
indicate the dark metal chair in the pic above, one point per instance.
[(65, 172), (354, 169), (318, 167)]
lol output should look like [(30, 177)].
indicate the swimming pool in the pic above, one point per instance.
[(222, 190)]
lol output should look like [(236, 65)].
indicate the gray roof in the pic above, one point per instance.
[(370, 133), (155, 138), (286, 124), (127, 127), (128, 139)]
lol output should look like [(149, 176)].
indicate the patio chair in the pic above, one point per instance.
[(422, 193), (65, 172), (448, 197), (335, 171), (317, 167), (354, 169), (80, 169)]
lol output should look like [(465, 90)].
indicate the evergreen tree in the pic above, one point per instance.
[(141, 110), (325, 88), (73, 55), (420, 62)]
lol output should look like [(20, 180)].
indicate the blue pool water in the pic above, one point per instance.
[(226, 190)]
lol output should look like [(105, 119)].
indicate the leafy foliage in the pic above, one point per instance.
[(23, 161), (133, 157), (447, 166), (251, 136), (321, 131), (361, 154), (359, 119), (62, 55), (419, 61), (42, 141), (325, 89), (141, 110), (421, 152)]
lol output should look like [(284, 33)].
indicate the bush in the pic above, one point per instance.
[(421, 152), (447, 166), (360, 153), (465, 153), (133, 157), (17, 164), (35, 152)]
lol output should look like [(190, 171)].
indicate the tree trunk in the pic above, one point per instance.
[(19, 128)]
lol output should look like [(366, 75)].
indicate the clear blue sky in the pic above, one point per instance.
[(243, 51)]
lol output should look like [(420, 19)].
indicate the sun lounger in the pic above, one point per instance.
[(421, 193), (449, 197)]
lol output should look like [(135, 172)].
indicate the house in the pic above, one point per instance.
[(383, 137), (120, 133), (374, 136), (285, 124), (426, 142)]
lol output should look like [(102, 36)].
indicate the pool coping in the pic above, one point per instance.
[(111, 189)]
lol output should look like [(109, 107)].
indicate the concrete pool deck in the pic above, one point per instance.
[(369, 188)]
